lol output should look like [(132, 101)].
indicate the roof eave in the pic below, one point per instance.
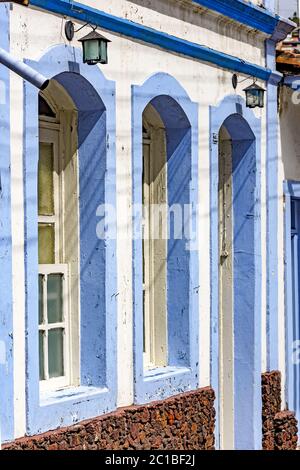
[(251, 15)]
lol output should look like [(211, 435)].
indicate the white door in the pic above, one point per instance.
[(226, 293)]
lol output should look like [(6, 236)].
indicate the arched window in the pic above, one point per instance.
[(165, 261), (68, 179), (58, 242)]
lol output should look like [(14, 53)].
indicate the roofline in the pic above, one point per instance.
[(251, 15)]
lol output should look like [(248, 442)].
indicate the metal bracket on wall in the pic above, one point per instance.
[(215, 139)]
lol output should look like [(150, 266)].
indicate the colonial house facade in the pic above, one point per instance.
[(148, 281)]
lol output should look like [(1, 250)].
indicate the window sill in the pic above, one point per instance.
[(70, 394), (164, 372), (163, 382)]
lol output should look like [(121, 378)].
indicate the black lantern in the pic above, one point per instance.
[(255, 96), (94, 47)]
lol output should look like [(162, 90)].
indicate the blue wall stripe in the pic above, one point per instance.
[(6, 316), (272, 215), (143, 33)]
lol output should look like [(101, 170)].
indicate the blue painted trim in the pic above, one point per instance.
[(98, 391), (182, 373), (239, 10), (252, 15), (244, 12), (272, 214), (229, 106), (6, 310), (148, 35), (292, 81), (291, 190)]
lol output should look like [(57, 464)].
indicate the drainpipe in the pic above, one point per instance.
[(26, 72)]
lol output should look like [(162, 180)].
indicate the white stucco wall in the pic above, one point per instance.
[(32, 33)]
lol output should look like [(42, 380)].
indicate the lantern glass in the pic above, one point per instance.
[(255, 96), (261, 100), (103, 52), (252, 99), (91, 51)]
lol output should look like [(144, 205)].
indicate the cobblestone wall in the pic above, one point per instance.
[(186, 421), (279, 427)]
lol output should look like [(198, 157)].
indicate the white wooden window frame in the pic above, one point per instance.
[(155, 339), (149, 362), (56, 382), (49, 133)]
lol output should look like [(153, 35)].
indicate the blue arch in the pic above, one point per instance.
[(245, 131), (180, 117), (94, 97)]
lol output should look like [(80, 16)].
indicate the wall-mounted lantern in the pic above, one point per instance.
[(255, 94), (94, 45)]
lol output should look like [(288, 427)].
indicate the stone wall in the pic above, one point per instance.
[(184, 422), (286, 430), (280, 428)]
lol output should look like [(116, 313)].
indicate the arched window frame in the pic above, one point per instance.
[(163, 382), (155, 194), (97, 393), (58, 130)]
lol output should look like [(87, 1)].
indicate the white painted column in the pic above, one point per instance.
[(124, 233)]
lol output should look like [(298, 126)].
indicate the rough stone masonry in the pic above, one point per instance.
[(183, 422), (280, 428)]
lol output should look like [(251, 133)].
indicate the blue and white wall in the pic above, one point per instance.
[(6, 300), (132, 63)]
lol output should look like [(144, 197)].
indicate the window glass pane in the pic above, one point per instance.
[(41, 309), (41, 355), (46, 244), (45, 180), (55, 352), (54, 298)]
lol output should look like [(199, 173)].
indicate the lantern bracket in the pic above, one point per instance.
[(70, 29), (236, 81)]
